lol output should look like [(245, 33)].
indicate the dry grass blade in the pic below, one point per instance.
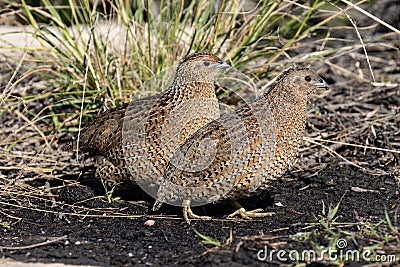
[(33, 126), (49, 240), (363, 11), (333, 152), (318, 140)]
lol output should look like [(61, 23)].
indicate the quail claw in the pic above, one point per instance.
[(188, 214), (248, 215)]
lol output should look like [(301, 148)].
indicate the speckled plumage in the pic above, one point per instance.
[(120, 157), (247, 148)]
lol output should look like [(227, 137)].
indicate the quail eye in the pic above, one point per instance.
[(206, 63), (307, 78), (219, 61)]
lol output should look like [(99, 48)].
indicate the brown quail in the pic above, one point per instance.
[(240, 153), (107, 137)]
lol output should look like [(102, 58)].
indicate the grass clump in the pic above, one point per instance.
[(99, 54)]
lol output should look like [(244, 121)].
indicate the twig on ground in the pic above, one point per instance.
[(48, 241)]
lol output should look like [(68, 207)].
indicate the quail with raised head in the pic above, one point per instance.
[(245, 149), (167, 120)]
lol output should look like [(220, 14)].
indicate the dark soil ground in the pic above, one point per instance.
[(54, 210), (43, 219), (118, 239)]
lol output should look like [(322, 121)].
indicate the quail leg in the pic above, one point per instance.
[(108, 173), (188, 213), (257, 213)]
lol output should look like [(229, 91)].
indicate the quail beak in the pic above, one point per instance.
[(321, 84), (224, 65)]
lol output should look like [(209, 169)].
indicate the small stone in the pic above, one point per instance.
[(149, 222)]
